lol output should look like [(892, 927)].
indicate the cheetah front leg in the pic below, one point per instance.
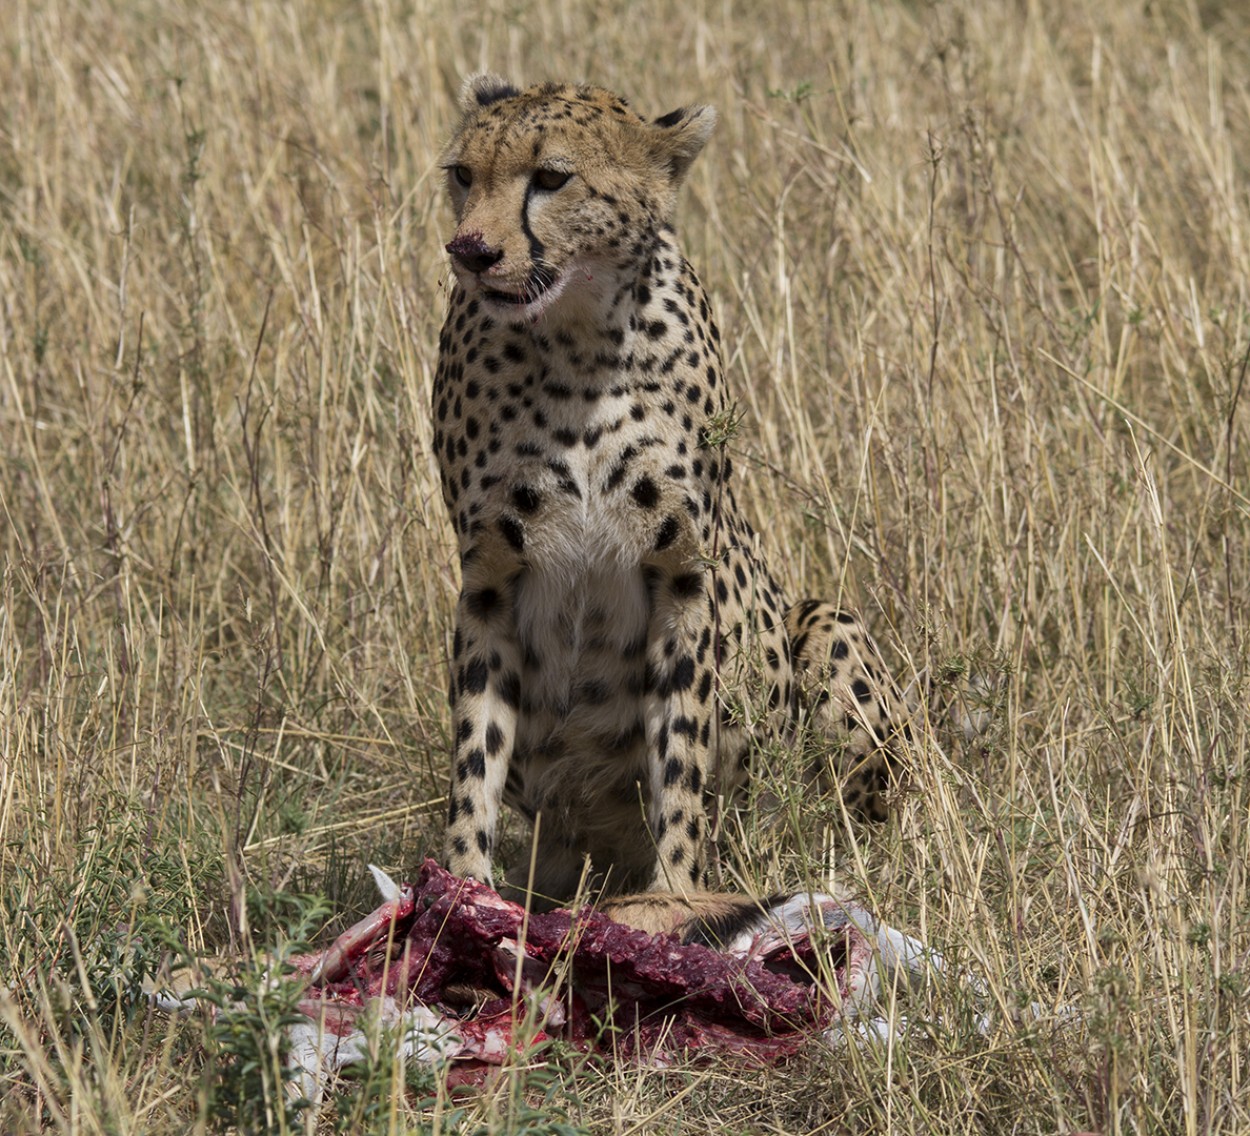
[(678, 722), (485, 692)]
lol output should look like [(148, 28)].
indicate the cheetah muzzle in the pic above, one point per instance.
[(620, 646)]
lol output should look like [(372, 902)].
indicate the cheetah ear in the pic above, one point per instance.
[(481, 90), (680, 135)]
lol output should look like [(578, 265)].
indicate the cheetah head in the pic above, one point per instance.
[(561, 192)]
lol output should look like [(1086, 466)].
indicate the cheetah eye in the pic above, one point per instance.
[(550, 180), (463, 175)]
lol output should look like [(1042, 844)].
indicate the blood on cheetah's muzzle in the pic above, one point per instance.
[(472, 253)]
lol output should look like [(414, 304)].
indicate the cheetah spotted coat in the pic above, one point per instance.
[(620, 645)]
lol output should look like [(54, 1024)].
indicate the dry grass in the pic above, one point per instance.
[(982, 272)]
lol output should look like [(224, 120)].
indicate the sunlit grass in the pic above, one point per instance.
[(981, 273)]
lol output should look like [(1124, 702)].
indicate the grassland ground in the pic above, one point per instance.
[(981, 267)]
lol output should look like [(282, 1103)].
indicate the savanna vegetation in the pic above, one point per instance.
[(981, 267)]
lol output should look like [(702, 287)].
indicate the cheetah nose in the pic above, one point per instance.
[(472, 253)]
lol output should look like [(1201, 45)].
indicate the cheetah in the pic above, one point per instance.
[(620, 646)]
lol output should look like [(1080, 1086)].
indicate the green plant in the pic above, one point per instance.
[(254, 1087)]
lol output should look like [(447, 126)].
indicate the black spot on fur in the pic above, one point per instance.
[(482, 603), (646, 493), (513, 532), (526, 499), (687, 585), (685, 726), (473, 766), (510, 690), (473, 677)]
